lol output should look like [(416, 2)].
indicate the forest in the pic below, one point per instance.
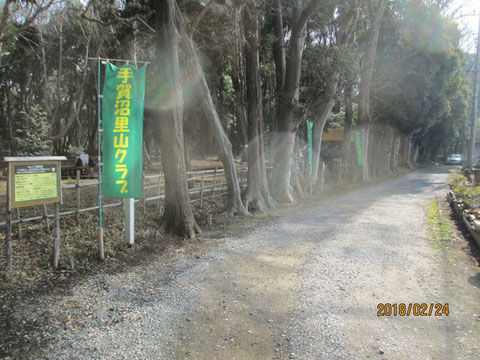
[(242, 79)]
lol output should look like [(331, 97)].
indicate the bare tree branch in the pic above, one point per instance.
[(29, 19), (200, 17), (116, 20)]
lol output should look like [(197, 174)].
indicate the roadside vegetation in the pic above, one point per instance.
[(465, 192), (441, 227)]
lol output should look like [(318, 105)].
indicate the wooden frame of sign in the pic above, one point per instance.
[(33, 181)]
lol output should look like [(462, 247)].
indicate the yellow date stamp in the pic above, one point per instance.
[(413, 309)]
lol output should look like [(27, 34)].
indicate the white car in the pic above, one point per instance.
[(454, 159)]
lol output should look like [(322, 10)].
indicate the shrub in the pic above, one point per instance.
[(456, 180)]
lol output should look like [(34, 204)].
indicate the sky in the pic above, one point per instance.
[(465, 13)]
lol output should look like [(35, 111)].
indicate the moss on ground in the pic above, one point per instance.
[(440, 226)]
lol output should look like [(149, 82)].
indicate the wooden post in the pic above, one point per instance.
[(45, 216), (78, 195), (19, 224), (476, 176), (322, 177), (201, 191), (214, 183), (8, 239), (56, 244), (159, 190), (143, 185), (241, 178), (338, 169)]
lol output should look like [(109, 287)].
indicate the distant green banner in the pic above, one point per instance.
[(359, 145), (123, 101)]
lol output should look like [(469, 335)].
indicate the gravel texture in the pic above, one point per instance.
[(304, 285)]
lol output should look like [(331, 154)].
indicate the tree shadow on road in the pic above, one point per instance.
[(475, 280)]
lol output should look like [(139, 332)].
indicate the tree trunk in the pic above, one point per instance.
[(278, 45), (417, 150), (317, 190), (396, 153), (389, 150), (319, 125), (238, 78), (235, 205), (374, 151), (366, 140), (407, 152), (327, 101), (297, 168), (347, 132), (364, 118), (284, 141), (257, 195), (54, 127), (288, 98), (178, 215), (76, 100), (46, 102), (3, 24), (278, 52)]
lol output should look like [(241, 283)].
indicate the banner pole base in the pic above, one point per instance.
[(129, 216), (101, 251)]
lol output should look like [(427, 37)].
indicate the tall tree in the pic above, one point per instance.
[(235, 205), (238, 72), (326, 100), (257, 195), (376, 11), (178, 215), (288, 105)]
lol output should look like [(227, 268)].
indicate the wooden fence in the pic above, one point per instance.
[(203, 185)]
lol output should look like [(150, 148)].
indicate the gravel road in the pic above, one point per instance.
[(304, 285)]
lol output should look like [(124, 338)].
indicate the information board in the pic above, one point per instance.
[(34, 183)]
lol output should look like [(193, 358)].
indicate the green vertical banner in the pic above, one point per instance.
[(310, 147), (123, 101), (359, 145)]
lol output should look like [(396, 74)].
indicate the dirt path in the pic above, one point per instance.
[(305, 285)]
